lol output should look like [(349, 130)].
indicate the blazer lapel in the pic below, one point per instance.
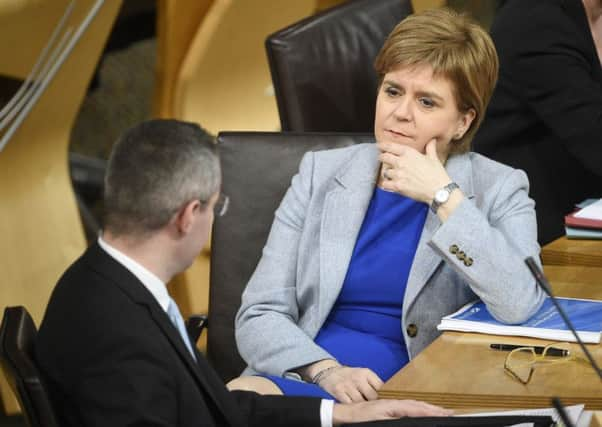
[(345, 205), (199, 368), (172, 334), (426, 260), (117, 274)]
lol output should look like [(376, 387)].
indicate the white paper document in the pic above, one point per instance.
[(592, 211), (574, 413), (586, 316)]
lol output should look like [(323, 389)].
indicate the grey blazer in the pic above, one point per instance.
[(309, 247)]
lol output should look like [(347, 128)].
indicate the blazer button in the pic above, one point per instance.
[(412, 330), (454, 249), (468, 262), (461, 256)]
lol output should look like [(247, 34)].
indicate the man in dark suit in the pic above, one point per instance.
[(545, 116), (112, 345)]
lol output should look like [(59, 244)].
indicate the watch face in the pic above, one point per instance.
[(441, 196)]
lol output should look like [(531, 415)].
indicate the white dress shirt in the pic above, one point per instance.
[(151, 282)]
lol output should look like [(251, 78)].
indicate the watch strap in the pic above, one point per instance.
[(435, 205)]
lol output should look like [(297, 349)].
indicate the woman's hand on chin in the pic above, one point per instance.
[(411, 173)]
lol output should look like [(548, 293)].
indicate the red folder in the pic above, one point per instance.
[(572, 221)]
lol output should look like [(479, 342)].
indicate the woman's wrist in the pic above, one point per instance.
[(309, 372), (324, 373), (446, 209)]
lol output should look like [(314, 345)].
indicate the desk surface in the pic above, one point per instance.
[(565, 251), (458, 370)]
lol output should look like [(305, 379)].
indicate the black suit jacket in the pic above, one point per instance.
[(112, 357), (545, 116)]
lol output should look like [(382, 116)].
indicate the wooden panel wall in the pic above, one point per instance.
[(177, 23), (40, 225), (420, 5)]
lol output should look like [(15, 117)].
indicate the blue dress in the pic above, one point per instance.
[(364, 325)]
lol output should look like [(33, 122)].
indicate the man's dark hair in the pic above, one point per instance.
[(155, 168)]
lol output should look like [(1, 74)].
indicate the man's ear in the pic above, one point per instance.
[(184, 218)]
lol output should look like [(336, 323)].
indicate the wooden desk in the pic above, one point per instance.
[(565, 251), (458, 370)]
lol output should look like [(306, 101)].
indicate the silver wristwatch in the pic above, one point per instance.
[(442, 195)]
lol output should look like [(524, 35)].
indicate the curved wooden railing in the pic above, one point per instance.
[(40, 226)]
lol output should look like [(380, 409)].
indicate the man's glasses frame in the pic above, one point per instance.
[(521, 362), (221, 205)]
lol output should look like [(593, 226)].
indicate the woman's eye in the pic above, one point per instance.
[(426, 102), (391, 91)]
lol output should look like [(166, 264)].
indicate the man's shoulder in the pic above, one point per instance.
[(83, 280), (522, 12), (88, 300), (537, 23)]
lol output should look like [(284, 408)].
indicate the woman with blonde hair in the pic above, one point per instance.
[(374, 243)]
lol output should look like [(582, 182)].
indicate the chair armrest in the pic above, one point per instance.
[(195, 325)]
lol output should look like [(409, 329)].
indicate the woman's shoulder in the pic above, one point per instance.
[(353, 161), (333, 159), (487, 172), (482, 163), (492, 184), (343, 153)]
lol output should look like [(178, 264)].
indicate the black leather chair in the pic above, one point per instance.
[(17, 335), (322, 67), (87, 177), (257, 169)]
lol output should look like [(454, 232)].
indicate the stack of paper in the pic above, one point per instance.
[(586, 316), (586, 222), (576, 414)]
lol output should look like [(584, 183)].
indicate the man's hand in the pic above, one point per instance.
[(349, 384), (384, 410)]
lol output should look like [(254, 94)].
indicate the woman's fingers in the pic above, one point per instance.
[(374, 380), (349, 384), (367, 391)]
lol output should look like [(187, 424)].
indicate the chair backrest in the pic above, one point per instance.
[(257, 168), (322, 67), (17, 335)]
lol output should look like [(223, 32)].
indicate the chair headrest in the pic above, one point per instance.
[(322, 67)]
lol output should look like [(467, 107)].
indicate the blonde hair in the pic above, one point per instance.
[(456, 48)]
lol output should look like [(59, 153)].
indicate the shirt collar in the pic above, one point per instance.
[(151, 282)]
